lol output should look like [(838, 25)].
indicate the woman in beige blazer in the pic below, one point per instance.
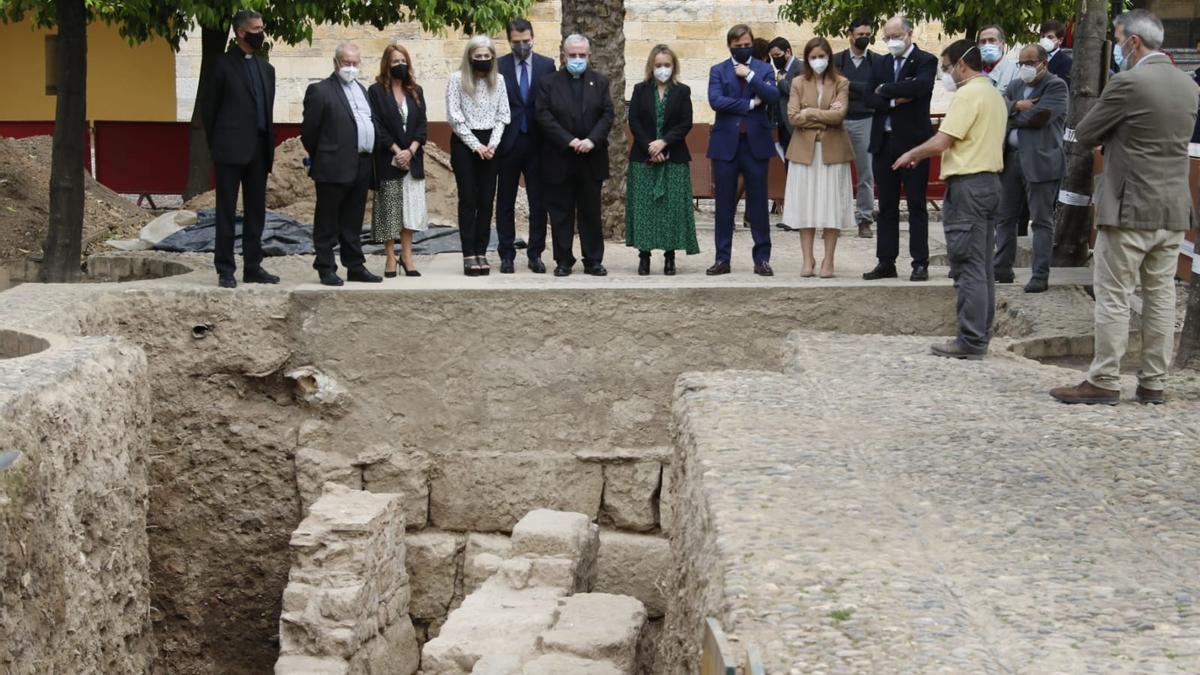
[(819, 192)]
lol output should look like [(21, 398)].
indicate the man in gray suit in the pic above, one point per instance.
[(1144, 119), (1034, 164)]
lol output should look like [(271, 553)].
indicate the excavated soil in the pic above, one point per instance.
[(291, 192), (25, 202)]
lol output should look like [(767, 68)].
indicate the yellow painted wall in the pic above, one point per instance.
[(124, 83)]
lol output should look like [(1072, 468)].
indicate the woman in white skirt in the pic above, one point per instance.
[(819, 193)]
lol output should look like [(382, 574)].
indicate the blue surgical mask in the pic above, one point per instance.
[(576, 66), (990, 53), (1119, 56)]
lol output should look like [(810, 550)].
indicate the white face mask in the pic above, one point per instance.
[(1027, 73), (662, 73), (818, 65), (348, 73), (1048, 44), (948, 82), (896, 47)]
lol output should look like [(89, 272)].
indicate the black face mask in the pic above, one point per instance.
[(255, 40), (399, 72), (482, 65), (862, 43), (741, 54), (780, 62)]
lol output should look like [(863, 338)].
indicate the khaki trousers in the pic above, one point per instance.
[(1122, 258)]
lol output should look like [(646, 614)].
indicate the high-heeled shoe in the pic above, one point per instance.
[(485, 268), (389, 275), (470, 267), (669, 263), (407, 272), (643, 263)]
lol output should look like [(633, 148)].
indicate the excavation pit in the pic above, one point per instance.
[(477, 401)]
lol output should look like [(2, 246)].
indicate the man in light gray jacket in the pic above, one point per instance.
[(1144, 119), (1034, 164)]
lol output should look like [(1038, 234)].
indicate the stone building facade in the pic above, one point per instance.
[(694, 28)]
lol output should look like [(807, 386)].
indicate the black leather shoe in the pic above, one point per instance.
[(669, 263), (764, 270), (1037, 285), (226, 281), (881, 272), (596, 270), (259, 276), (363, 276), (506, 266), (643, 263), (331, 279), (919, 273), (718, 268), (562, 271), (537, 266), (389, 275), (1005, 278)]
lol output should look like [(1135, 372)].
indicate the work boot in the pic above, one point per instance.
[(1151, 396), (953, 349), (1086, 393)]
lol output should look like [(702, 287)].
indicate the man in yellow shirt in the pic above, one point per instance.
[(971, 142)]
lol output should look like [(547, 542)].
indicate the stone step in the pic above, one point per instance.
[(598, 627)]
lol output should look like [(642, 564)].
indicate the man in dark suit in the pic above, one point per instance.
[(575, 112), (786, 67), (338, 132), (901, 98), (1034, 164), (520, 148), (741, 142), (236, 111), (1053, 33)]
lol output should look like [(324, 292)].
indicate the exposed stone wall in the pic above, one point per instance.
[(345, 608), (74, 564), (694, 28)]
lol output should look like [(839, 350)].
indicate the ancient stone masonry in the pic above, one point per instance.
[(525, 618), (345, 608)]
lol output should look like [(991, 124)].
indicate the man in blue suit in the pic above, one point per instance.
[(520, 148), (741, 90)]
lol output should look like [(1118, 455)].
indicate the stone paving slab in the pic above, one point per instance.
[(881, 510)]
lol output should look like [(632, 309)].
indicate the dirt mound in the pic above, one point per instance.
[(290, 191), (25, 202)]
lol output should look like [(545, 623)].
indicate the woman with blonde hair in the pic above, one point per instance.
[(477, 105), (819, 193), (398, 105), (658, 192)]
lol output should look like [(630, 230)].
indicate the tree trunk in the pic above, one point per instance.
[(1188, 355), (603, 23), (1073, 226), (213, 42), (64, 241)]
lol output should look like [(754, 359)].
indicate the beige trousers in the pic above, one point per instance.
[(1122, 259)]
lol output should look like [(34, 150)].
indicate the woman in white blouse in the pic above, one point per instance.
[(477, 104)]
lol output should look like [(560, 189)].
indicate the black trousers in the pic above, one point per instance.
[(888, 183), (522, 159), (339, 220), (252, 178), (476, 180), (576, 200)]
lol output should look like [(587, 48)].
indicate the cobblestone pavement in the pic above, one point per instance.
[(879, 509)]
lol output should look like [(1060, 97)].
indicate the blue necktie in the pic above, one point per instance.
[(525, 95)]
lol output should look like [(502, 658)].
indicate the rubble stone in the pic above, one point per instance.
[(432, 561), (394, 471), (631, 495), (635, 565)]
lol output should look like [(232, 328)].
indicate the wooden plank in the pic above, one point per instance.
[(717, 657)]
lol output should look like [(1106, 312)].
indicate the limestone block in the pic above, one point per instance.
[(484, 554), (315, 468), (490, 492), (635, 565), (558, 664), (555, 534), (311, 665), (520, 573), (494, 621), (598, 626), (630, 495), (400, 472), (394, 652), (666, 503), (432, 560)]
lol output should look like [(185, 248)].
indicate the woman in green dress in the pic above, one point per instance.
[(658, 192)]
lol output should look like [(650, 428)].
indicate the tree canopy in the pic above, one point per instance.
[(1020, 20)]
